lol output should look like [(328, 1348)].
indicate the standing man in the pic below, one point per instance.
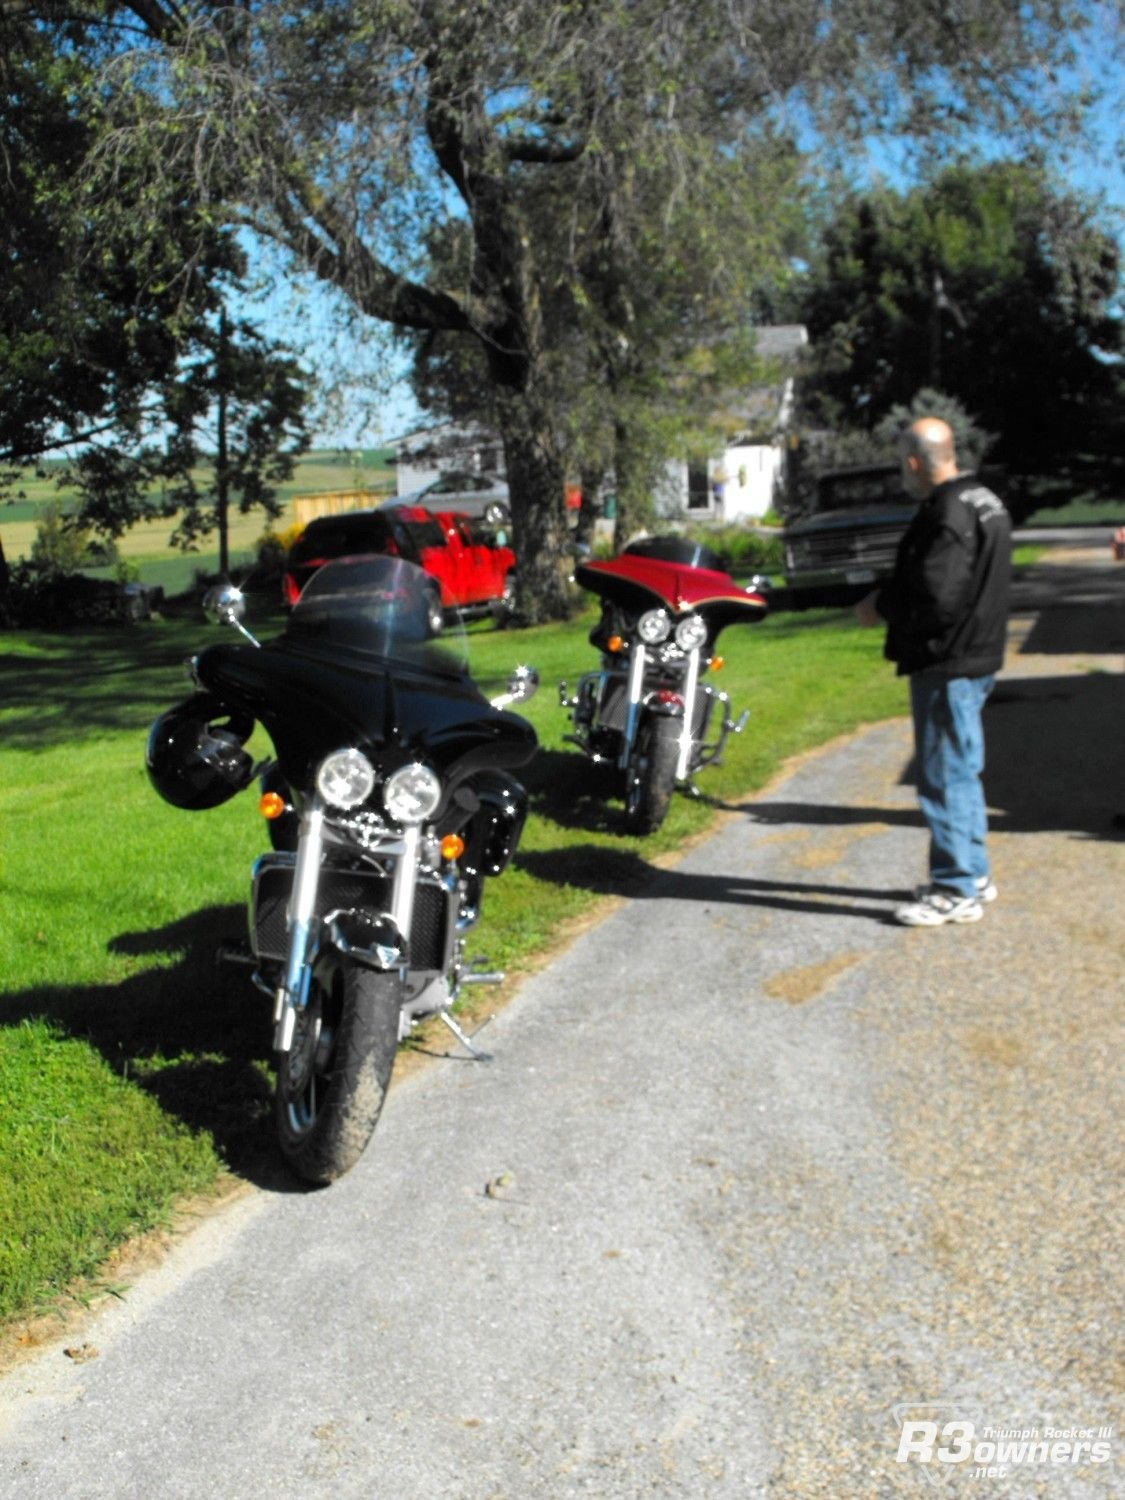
[(946, 609)]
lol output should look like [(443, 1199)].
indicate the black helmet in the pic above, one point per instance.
[(195, 757)]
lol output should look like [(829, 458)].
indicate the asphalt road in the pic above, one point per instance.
[(770, 1176)]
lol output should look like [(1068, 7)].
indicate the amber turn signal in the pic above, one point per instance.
[(615, 643), (452, 846), (271, 805), (718, 663)]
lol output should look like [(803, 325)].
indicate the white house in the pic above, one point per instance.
[(423, 456), (742, 482)]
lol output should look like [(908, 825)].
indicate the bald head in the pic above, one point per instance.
[(928, 456)]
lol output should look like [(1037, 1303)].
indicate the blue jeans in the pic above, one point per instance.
[(949, 759)]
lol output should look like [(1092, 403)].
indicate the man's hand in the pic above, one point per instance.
[(865, 611)]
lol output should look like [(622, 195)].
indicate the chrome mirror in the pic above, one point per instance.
[(522, 684), (225, 604)]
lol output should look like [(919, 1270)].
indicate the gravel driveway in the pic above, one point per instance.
[(754, 1177)]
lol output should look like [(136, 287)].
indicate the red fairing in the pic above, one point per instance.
[(677, 586)]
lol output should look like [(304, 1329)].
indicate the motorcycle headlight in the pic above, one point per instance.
[(346, 778), (653, 627), (411, 794), (691, 633)]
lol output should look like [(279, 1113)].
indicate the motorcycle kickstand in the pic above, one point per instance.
[(465, 1040)]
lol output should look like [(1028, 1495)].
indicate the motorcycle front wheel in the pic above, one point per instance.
[(651, 778), (332, 1082)]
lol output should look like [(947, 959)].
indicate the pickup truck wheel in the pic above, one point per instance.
[(435, 615), (503, 607)]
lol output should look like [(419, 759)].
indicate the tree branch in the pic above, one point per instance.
[(532, 149), (341, 258), (162, 22)]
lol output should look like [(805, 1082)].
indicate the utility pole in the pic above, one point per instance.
[(222, 493), (940, 303)]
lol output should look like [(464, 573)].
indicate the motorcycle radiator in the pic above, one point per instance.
[(613, 710), (345, 890)]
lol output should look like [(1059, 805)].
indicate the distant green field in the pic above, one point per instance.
[(1080, 513), (147, 547)]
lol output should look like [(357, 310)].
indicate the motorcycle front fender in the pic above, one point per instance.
[(372, 941), (662, 709)]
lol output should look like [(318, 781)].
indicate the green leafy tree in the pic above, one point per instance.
[(108, 338), (990, 283), (233, 426), (60, 549), (336, 131), (92, 319), (648, 346)]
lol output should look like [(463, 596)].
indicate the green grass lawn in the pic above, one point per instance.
[(1080, 513), (132, 1070)]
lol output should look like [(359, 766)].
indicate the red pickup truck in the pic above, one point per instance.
[(470, 568)]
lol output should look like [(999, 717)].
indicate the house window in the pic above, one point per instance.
[(698, 487)]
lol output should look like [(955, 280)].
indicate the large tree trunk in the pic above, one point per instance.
[(593, 482), (536, 482), (5, 615), (632, 472)]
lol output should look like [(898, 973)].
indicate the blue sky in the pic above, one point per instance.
[(315, 323)]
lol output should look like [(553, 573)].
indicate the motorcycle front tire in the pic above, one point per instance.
[(332, 1082), (652, 779)]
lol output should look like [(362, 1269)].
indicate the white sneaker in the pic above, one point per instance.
[(935, 907), (986, 890)]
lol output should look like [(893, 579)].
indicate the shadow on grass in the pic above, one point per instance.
[(573, 792), (58, 686), (85, 683), (193, 1035)]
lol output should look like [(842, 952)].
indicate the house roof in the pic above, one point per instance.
[(442, 440), (758, 413)]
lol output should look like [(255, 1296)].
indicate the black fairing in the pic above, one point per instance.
[(313, 700), (497, 810)]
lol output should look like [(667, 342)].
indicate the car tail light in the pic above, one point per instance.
[(290, 589)]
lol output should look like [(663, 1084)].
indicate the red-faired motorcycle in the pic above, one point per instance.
[(648, 710)]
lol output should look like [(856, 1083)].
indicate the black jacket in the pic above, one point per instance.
[(946, 606)]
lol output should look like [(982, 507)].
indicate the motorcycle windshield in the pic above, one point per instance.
[(383, 608)]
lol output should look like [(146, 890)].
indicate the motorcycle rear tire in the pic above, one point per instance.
[(649, 788), (332, 1083)]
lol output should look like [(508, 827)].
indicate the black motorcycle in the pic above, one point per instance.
[(390, 798), (648, 710)]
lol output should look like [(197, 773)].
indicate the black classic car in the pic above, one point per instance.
[(846, 543)]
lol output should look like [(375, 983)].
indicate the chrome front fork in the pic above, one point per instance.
[(637, 663), (304, 925), (635, 695), (690, 688), (293, 992)]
